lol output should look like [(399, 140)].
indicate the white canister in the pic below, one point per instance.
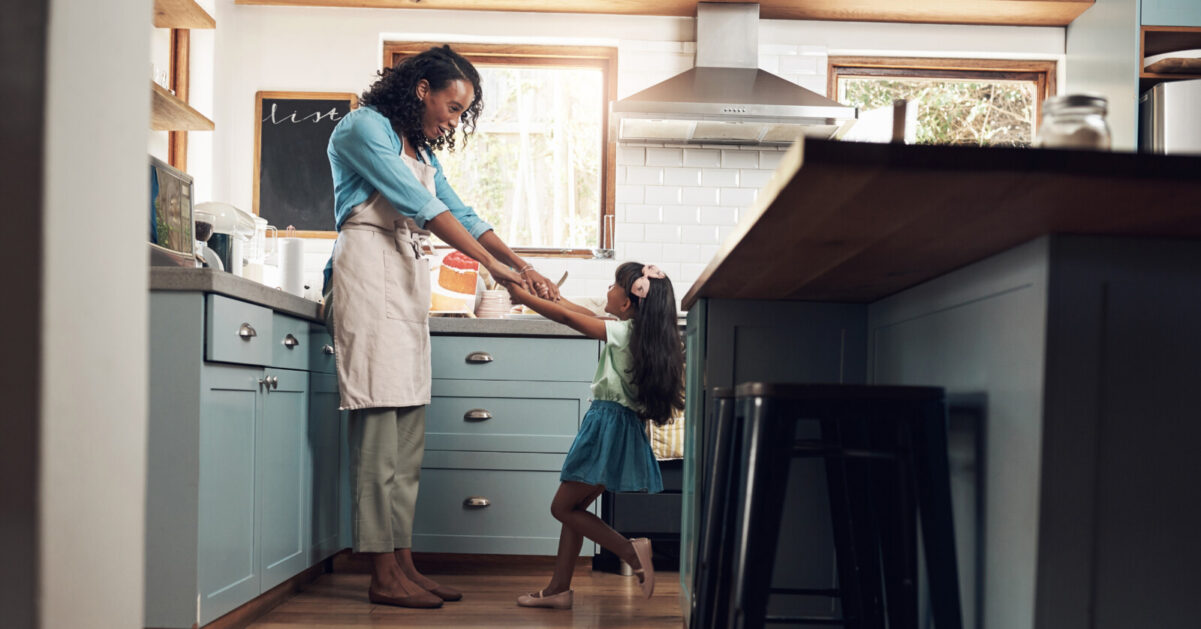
[(291, 265)]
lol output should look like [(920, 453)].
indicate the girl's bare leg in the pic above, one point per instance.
[(570, 506)]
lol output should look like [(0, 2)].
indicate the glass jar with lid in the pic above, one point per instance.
[(1074, 121)]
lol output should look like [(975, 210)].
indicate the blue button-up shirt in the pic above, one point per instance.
[(364, 156)]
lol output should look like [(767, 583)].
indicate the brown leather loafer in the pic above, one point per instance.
[(446, 593), (422, 600), (562, 600)]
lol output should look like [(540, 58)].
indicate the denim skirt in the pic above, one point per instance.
[(611, 449)]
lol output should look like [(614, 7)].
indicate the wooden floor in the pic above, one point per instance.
[(602, 600)]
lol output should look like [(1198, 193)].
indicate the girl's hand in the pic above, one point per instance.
[(541, 286)]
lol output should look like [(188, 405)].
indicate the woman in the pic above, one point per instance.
[(388, 191)]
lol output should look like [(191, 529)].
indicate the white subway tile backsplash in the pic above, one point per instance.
[(646, 175), (664, 157), (731, 158), (723, 233), (672, 269), (680, 253), (662, 233), (770, 160), (680, 215), (631, 155), (699, 234), (622, 173), (643, 213), (692, 271), (708, 251), (776, 50), (699, 196), (704, 158), (644, 252), (630, 194), (799, 64), (682, 176), (719, 177), (630, 232), (662, 195), (755, 178), (719, 216), (737, 197)]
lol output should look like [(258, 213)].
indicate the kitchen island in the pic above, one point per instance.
[(1054, 294)]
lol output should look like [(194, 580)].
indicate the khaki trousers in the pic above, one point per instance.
[(386, 448)]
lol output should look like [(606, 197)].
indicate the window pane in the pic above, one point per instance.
[(533, 167), (993, 113)]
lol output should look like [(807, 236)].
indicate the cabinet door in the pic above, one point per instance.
[(324, 451), (228, 569), (282, 485), (1171, 13)]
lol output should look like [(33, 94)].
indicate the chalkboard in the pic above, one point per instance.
[(292, 182)]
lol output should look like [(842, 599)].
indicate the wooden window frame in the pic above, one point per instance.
[(1042, 73), (600, 57)]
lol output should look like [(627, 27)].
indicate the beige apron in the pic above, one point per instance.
[(381, 288)]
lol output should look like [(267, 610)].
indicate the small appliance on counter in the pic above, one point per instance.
[(233, 231), (172, 242), (1168, 118)]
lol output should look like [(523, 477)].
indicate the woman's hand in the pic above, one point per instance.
[(503, 274), (541, 286)]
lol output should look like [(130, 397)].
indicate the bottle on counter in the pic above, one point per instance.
[(1074, 121)]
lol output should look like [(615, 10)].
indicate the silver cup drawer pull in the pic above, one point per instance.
[(290, 341), (327, 349), (477, 414), (476, 502), (246, 331), (479, 358)]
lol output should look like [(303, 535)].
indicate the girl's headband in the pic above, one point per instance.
[(643, 284)]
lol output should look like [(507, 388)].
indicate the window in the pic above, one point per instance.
[(980, 102), (539, 166)]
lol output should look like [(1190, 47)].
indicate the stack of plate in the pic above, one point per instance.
[(493, 304)]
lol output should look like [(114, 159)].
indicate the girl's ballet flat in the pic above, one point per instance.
[(562, 600), (642, 548)]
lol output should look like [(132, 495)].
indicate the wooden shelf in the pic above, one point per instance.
[(994, 12), (181, 14), (168, 113), (856, 222)]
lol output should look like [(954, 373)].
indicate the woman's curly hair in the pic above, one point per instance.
[(394, 94)]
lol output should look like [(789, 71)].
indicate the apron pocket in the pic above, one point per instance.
[(406, 287)]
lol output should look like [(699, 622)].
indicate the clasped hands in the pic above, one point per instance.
[(529, 280)]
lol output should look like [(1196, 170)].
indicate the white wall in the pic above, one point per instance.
[(94, 309), (674, 206)]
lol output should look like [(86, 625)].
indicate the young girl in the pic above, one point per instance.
[(640, 377)]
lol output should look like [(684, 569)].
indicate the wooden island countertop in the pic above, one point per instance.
[(857, 222)]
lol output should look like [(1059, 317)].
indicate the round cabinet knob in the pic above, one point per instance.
[(290, 341), (246, 331), (479, 357), (327, 349), (274, 382), (476, 502)]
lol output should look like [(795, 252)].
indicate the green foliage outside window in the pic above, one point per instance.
[(533, 167), (996, 113)]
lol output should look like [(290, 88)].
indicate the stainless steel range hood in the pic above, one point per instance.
[(726, 98)]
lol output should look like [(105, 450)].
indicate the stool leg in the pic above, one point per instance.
[(714, 529), (934, 504), (893, 497), (766, 453)]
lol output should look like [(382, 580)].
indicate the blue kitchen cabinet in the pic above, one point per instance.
[(1171, 13), (243, 456), (504, 411), (282, 478), (228, 566)]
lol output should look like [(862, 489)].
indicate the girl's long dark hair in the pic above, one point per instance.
[(658, 370), (394, 94)]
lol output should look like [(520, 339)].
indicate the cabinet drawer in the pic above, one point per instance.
[(236, 332), (493, 358), (504, 416), (321, 350), (516, 520), (289, 342), (1171, 13)]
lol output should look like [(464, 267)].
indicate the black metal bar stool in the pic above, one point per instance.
[(883, 446), (711, 575)]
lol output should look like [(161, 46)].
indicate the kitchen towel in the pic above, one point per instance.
[(291, 265)]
